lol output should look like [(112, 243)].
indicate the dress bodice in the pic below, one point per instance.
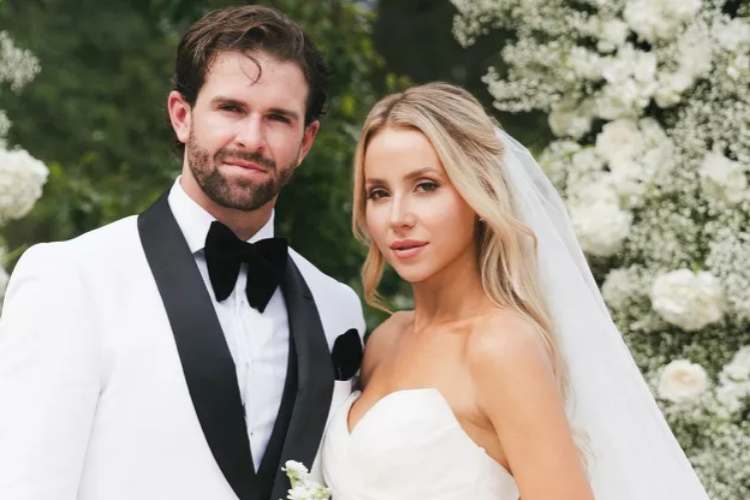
[(409, 445)]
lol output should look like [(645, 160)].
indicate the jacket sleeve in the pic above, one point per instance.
[(49, 378)]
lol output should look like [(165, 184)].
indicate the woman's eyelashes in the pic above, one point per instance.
[(422, 186)]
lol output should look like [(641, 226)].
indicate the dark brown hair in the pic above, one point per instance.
[(249, 28)]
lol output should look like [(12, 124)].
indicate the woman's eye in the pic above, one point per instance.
[(427, 186)]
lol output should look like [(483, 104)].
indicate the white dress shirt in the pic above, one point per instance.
[(258, 342)]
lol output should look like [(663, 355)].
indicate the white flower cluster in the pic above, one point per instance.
[(649, 101), (21, 176), (21, 181), (303, 486), (17, 66)]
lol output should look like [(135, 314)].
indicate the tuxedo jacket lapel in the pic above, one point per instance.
[(314, 377), (206, 361)]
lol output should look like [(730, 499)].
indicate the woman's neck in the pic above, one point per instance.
[(453, 294)]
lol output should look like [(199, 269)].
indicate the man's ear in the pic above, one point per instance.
[(179, 115), (308, 138)]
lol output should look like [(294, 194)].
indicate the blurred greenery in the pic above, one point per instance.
[(96, 116)]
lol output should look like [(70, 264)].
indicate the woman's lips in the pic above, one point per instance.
[(408, 248)]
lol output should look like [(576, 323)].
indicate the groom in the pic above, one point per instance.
[(185, 353)]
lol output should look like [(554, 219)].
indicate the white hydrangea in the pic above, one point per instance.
[(687, 299), (682, 381), (21, 179), (724, 180)]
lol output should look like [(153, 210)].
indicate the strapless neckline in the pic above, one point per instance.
[(430, 391)]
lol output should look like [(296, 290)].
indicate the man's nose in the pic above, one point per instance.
[(251, 135)]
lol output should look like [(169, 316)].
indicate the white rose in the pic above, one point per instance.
[(682, 380), (723, 179), (601, 226), (21, 181), (732, 35), (619, 139), (688, 300)]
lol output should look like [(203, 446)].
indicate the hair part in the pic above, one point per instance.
[(248, 29)]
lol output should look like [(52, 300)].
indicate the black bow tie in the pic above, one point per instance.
[(266, 261)]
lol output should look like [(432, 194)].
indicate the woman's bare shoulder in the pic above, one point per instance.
[(382, 340), (506, 341)]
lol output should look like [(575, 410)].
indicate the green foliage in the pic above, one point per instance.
[(96, 115)]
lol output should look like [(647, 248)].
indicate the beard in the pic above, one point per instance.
[(239, 194)]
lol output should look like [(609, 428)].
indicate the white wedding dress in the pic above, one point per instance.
[(409, 446)]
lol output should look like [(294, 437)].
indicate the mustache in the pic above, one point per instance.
[(252, 156)]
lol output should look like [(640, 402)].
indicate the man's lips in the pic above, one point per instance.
[(248, 165)]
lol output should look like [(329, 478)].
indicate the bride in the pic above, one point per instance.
[(508, 379)]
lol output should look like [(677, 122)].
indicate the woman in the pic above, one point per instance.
[(508, 379)]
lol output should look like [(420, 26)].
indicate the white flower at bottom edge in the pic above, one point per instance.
[(688, 300), (682, 381)]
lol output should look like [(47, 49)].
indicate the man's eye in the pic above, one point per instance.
[(232, 108), (280, 118)]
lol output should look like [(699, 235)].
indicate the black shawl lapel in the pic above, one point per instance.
[(314, 377), (206, 361)]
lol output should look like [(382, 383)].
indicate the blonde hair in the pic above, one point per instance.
[(464, 138)]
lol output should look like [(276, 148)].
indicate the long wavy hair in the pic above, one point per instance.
[(465, 140)]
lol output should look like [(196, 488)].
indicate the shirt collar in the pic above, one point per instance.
[(194, 220)]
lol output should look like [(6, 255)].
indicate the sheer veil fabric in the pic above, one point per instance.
[(631, 452)]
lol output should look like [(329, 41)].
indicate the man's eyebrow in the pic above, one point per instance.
[(293, 115)]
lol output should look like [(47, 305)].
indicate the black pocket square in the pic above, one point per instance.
[(347, 354)]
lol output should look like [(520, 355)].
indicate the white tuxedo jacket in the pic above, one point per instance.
[(116, 382)]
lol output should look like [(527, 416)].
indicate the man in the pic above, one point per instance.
[(182, 354)]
